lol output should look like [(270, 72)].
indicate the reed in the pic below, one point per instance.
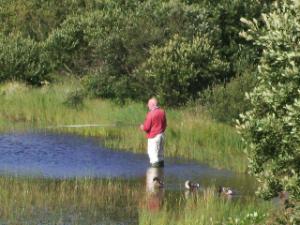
[(29, 200), (75, 201), (210, 209), (191, 133)]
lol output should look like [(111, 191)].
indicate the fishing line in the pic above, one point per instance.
[(90, 125)]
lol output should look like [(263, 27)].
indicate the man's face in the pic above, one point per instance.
[(149, 105), (152, 103)]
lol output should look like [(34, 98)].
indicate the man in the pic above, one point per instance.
[(155, 125)]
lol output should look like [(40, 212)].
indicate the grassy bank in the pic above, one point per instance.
[(191, 133), (90, 201)]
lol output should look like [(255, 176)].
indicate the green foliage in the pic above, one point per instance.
[(37, 18), (226, 102), (104, 84), (271, 127), (68, 48), (178, 71), (226, 16), (22, 59), (121, 43), (75, 99), (111, 40)]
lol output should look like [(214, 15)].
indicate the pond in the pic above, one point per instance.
[(36, 161)]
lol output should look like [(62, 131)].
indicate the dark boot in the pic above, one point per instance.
[(158, 164)]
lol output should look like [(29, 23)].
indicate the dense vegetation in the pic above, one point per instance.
[(182, 51), (94, 201), (271, 127), (128, 49)]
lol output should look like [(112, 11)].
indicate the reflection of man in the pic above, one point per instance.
[(155, 125), (155, 193)]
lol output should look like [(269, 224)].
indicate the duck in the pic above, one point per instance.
[(191, 186), (158, 183), (226, 191)]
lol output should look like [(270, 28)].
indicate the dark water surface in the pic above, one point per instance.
[(64, 157)]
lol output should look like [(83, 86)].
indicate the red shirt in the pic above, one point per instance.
[(155, 122)]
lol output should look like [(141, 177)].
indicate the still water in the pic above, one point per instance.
[(67, 156), (63, 157)]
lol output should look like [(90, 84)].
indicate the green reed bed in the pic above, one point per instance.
[(208, 208), (191, 133), (75, 201), (114, 201)]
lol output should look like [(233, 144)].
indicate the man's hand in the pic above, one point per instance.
[(142, 127)]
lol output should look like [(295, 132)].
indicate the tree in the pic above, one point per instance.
[(271, 128), (178, 71), (23, 59)]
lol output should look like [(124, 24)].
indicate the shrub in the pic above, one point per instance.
[(102, 83), (75, 99), (68, 48), (179, 70), (271, 127), (226, 101), (22, 59), (36, 19)]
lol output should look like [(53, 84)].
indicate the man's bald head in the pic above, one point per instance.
[(152, 103)]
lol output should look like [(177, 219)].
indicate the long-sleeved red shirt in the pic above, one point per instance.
[(155, 122)]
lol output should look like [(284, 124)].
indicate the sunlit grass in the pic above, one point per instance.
[(209, 208), (76, 201), (114, 201), (191, 133)]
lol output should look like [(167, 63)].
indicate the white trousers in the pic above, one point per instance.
[(156, 148), (151, 173)]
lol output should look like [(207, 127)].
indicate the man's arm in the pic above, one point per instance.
[(147, 124)]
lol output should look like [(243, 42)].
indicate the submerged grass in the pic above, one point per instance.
[(191, 134), (76, 201), (95, 201), (210, 209)]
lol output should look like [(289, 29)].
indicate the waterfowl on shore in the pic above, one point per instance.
[(226, 191), (191, 186), (158, 183)]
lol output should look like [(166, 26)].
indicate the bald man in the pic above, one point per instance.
[(155, 125)]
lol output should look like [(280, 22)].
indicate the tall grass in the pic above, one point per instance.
[(94, 201), (209, 209), (191, 133), (75, 201)]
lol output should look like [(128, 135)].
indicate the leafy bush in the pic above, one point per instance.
[(75, 99), (178, 71), (102, 83), (226, 101), (68, 47), (36, 19), (120, 43), (22, 59), (112, 40), (271, 126)]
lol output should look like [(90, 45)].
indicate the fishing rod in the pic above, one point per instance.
[(117, 124)]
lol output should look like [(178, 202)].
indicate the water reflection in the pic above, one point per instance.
[(154, 189)]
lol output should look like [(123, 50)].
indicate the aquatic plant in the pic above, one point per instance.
[(28, 200), (209, 208)]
